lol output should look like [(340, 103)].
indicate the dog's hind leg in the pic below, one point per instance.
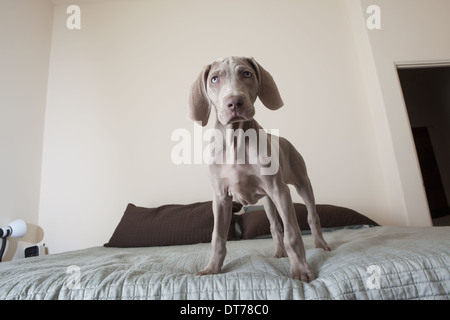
[(275, 227)]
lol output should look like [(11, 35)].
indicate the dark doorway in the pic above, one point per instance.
[(427, 96), (437, 200)]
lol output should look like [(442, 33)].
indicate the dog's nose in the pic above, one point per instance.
[(234, 103)]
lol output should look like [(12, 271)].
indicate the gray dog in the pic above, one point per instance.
[(232, 85)]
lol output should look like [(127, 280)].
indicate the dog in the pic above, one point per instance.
[(231, 85)]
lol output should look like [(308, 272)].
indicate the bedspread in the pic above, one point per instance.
[(371, 263)]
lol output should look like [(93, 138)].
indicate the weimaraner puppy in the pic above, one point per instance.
[(232, 85)]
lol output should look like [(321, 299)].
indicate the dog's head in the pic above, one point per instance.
[(231, 85)]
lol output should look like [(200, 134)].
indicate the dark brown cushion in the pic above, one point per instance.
[(255, 223), (167, 225)]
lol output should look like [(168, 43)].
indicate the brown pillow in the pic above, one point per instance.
[(255, 223), (167, 225)]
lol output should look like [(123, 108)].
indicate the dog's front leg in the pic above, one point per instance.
[(293, 242), (222, 209)]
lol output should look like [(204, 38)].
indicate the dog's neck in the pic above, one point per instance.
[(234, 133), (244, 125)]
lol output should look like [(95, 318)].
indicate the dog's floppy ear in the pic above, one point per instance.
[(268, 92), (199, 104)]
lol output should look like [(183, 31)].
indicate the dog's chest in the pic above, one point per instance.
[(244, 187)]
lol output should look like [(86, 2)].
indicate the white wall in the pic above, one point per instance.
[(119, 87), (412, 31), (25, 32)]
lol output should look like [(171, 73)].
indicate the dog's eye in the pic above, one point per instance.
[(247, 74), (215, 79)]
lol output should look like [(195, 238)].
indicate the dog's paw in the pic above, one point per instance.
[(207, 271), (303, 273), (280, 253), (321, 243)]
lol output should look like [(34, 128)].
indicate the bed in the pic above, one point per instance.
[(367, 261)]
